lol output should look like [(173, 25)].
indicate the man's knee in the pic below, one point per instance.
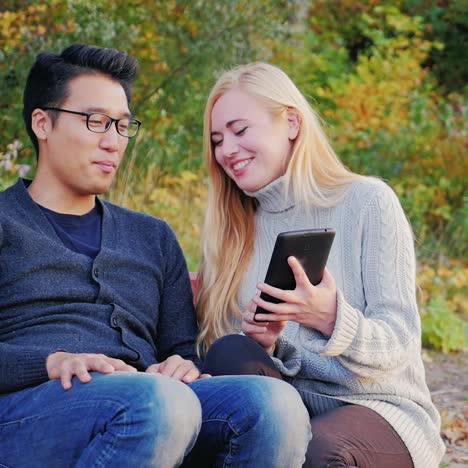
[(281, 420), (161, 412), (156, 397), (277, 411), (288, 404), (155, 406)]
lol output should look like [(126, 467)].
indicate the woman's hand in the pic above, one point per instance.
[(311, 306), (265, 333)]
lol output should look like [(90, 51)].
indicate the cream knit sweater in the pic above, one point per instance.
[(373, 357)]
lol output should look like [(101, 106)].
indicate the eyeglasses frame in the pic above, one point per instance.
[(89, 114)]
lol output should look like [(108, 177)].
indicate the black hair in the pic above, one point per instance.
[(47, 83)]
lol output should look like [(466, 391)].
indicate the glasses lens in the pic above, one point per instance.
[(128, 127), (99, 122)]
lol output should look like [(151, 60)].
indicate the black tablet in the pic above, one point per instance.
[(311, 247)]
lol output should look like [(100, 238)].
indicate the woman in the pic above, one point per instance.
[(350, 345)]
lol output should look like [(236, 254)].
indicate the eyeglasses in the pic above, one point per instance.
[(100, 123)]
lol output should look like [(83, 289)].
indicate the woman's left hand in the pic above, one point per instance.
[(309, 305), (265, 333)]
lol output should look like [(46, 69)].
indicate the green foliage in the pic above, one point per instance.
[(443, 305), (442, 328), (179, 45), (447, 23), (10, 169), (388, 77), (385, 114)]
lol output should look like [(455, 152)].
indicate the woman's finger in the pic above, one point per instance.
[(327, 279), (249, 328), (275, 309), (299, 274), (280, 294)]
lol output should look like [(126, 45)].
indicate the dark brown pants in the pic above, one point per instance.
[(348, 436)]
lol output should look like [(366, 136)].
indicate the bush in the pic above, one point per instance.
[(10, 169), (387, 76), (442, 328)]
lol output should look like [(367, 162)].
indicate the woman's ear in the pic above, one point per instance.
[(40, 124), (294, 123)]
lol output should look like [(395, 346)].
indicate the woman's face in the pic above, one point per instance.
[(252, 146)]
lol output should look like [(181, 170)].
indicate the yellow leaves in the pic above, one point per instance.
[(40, 8), (29, 22), (9, 27), (447, 279), (380, 85), (178, 181), (161, 67)]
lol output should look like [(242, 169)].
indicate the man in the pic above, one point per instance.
[(97, 328)]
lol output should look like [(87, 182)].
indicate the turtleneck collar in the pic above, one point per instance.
[(273, 198)]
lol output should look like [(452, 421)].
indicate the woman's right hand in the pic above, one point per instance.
[(264, 333)]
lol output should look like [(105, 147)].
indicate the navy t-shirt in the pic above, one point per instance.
[(82, 234)]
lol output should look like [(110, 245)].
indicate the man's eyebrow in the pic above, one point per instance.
[(101, 110), (228, 125)]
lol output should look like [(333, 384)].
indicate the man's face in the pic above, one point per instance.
[(75, 160)]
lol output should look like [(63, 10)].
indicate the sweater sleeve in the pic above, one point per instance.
[(384, 336), (177, 327), (21, 367)]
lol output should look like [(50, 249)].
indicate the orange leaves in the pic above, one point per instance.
[(455, 430)]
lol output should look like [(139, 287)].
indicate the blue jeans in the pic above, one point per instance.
[(250, 421), (141, 420)]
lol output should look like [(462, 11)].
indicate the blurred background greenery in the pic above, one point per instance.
[(388, 77)]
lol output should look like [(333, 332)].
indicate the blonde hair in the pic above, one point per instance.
[(314, 171)]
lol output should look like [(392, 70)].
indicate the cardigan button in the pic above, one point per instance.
[(114, 322), (96, 272)]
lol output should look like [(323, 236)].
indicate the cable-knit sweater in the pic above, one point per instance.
[(373, 357)]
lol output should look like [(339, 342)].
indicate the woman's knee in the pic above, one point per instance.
[(323, 450), (238, 355)]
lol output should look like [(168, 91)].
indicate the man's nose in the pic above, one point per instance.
[(111, 139)]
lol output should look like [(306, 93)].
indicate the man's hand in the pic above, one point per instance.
[(64, 366), (177, 367)]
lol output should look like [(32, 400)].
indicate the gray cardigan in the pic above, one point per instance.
[(133, 302), (373, 357)]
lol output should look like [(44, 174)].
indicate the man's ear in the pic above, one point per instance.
[(40, 123), (294, 123)]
